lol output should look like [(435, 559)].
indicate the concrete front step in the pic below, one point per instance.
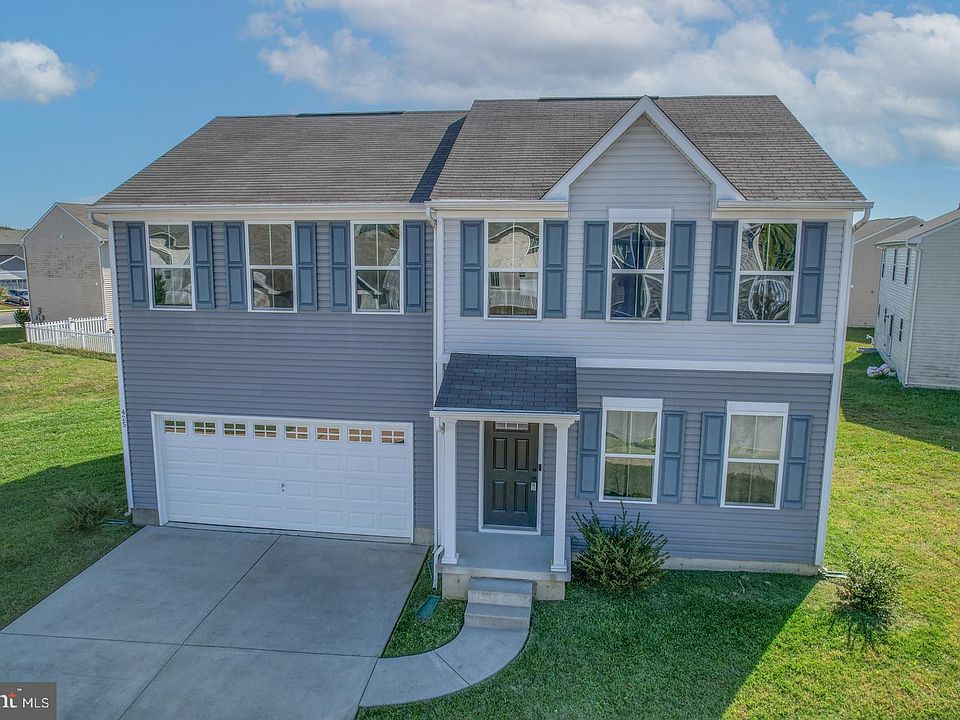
[(493, 591), (498, 617)]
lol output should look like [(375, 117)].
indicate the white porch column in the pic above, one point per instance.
[(560, 498), (449, 480)]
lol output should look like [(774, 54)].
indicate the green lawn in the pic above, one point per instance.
[(735, 645), (412, 635), (59, 429)]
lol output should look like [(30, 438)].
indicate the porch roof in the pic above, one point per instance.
[(509, 384)]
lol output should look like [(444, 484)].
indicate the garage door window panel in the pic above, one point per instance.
[(265, 431)]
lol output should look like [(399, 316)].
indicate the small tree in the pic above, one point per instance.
[(623, 557), (868, 596), (4, 294), (21, 317)]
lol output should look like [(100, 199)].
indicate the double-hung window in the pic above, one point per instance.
[(756, 433), (513, 269), (171, 266), (271, 266), (767, 270), (631, 430), (638, 254), (377, 261)]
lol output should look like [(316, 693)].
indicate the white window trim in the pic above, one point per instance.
[(781, 410), (486, 272), (649, 216), (630, 405), (151, 268), (354, 268), (793, 286), (250, 266)]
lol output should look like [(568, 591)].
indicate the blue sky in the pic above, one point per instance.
[(91, 92)]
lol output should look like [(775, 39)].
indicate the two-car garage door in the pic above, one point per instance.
[(332, 476)]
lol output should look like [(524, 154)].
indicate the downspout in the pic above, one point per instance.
[(124, 431), (437, 224)]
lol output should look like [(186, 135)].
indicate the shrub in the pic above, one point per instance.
[(84, 510), (4, 294), (622, 557), (21, 317), (868, 597)]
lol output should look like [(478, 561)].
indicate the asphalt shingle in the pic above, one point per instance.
[(512, 383)]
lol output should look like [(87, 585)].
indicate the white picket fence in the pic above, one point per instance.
[(75, 333)]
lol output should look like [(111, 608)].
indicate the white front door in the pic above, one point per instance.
[(286, 473)]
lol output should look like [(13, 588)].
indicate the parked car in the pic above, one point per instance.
[(18, 297)]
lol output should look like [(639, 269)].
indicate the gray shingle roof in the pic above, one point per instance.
[(374, 157), (500, 149), (518, 149), (11, 236), (512, 383)]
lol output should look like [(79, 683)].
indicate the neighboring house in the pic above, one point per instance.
[(866, 266), (461, 328), (68, 265), (13, 271), (917, 321)]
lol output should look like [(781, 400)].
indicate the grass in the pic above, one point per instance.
[(412, 635), (735, 645), (60, 430)]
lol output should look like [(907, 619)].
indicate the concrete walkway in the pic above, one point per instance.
[(496, 623), (179, 623)]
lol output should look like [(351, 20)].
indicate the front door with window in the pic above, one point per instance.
[(511, 477)]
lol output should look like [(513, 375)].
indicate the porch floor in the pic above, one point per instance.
[(506, 555)]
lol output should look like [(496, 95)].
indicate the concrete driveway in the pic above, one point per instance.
[(178, 623)]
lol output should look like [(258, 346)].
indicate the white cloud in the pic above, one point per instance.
[(872, 89), (32, 71)]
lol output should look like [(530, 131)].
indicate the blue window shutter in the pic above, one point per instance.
[(813, 249), (203, 264), (671, 456), (555, 268), (137, 257), (588, 457), (795, 466), (711, 457), (340, 267), (414, 269), (722, 271), (471, 268), (682, 241), (236, 266), (594, 270), (306, 237)]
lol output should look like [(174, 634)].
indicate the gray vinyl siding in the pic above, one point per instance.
[(897, 298), (936, 337), (319, 364), (641, 170), (710, 531), (693, 530), (63, 269)]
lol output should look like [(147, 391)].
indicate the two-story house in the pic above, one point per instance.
[(462, 328)]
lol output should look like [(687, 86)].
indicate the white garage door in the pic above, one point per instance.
[(291, 474)]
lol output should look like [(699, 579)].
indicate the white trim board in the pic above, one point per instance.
[(645, 107)]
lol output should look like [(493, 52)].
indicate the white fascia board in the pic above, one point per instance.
[(496, 209), (645, 106), (502, 415)]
